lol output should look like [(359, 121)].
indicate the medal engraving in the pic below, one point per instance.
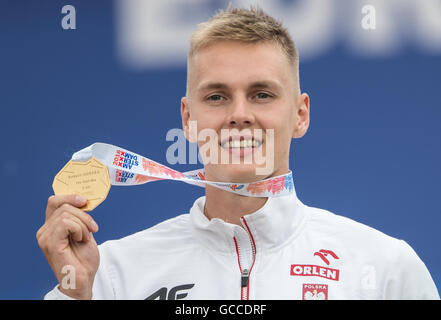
[(89, 179)]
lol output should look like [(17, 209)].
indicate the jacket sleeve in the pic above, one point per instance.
[(102, 285), (408, 277)]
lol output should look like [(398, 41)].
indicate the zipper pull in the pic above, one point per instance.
[(244, 278)]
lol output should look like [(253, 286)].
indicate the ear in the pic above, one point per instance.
[(185, 115), (301, 118)]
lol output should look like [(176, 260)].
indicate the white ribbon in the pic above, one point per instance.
[(127, 168)]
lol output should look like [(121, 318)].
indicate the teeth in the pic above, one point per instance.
[(242, 144)]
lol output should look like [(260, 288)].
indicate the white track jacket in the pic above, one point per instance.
[(284, 250)]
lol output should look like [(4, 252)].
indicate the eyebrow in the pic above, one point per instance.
[(264, 84)]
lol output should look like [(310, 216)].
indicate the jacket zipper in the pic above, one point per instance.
[(245, 273)]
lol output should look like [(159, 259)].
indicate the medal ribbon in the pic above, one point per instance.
[(127, 168)]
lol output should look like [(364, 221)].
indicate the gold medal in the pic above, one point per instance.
[(89, 179)]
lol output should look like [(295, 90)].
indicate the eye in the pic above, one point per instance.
[(263, 95), (215, 97)]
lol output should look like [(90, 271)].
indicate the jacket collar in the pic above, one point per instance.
[(271, 226)]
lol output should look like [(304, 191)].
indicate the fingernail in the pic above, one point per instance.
[(80, 199)]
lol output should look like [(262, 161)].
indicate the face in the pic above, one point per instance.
[(237, 91)]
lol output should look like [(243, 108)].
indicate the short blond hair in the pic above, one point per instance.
[(243, 25)]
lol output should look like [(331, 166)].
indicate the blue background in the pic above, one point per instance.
[(372, 152)]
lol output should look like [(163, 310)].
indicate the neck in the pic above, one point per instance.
[(229, 206)]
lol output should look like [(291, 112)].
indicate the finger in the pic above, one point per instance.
[(60, 228), (54, 202), (67, 227), (42, 230), (85, 233), (80, 214)]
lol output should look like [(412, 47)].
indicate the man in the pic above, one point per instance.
[(242, 75)]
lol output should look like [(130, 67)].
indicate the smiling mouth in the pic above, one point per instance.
[(241, 143)]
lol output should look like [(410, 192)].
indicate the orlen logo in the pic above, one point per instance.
[(311, 270), (323, 254), (125, 160)]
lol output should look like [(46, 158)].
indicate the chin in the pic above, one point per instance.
[(237, 173)]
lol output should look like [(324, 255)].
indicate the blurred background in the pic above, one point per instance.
[(372, 152)]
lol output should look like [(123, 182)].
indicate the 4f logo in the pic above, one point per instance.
[(323, 254), (175, 293)]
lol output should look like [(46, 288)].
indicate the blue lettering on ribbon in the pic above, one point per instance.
[(289, 184)]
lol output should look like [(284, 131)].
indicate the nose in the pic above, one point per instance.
[(240, 114)]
